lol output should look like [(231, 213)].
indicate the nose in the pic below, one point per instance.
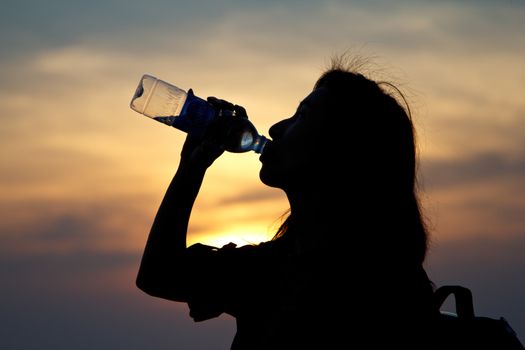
[(277, 129)]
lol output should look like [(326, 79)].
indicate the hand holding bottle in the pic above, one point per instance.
[(203, 149)]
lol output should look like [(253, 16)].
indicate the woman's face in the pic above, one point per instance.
[(291, 159)]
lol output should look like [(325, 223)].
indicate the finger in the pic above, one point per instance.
[(214, 102), (212, 99), (240, 112), (226, 113), (220, 104)]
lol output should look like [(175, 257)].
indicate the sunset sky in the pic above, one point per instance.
[(82, 174)]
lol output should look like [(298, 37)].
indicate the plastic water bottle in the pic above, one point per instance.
[(183, 110)]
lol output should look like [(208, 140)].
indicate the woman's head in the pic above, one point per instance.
[(347, 128), (352, 145), (293, 157)]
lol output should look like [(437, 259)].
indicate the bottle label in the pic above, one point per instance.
[(195, 116)]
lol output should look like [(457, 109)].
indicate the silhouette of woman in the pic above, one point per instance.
[(346, 266)]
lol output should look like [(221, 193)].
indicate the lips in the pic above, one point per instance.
[(267, 152)]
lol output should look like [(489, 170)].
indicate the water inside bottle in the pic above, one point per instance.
[(246, 140), (156, 98), (243, 137)]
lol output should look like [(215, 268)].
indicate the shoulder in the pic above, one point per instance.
[(270, 251)]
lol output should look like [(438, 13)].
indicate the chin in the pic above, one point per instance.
[(269, 179)]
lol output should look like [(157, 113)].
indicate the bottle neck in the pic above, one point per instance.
[(259, 143)]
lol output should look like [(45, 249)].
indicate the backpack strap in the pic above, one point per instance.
[(465, 330), (463, 298)]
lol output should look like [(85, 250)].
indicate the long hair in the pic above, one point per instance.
[(382, 147)]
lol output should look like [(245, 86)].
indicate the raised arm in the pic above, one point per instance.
[(162, 268), (163, 258)]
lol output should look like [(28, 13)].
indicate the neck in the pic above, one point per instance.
[(306, 206), (310, 214)]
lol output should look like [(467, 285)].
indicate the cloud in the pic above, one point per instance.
[(65, 225), (474, 170), (475, 196), (253, 196), (288, 30)]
